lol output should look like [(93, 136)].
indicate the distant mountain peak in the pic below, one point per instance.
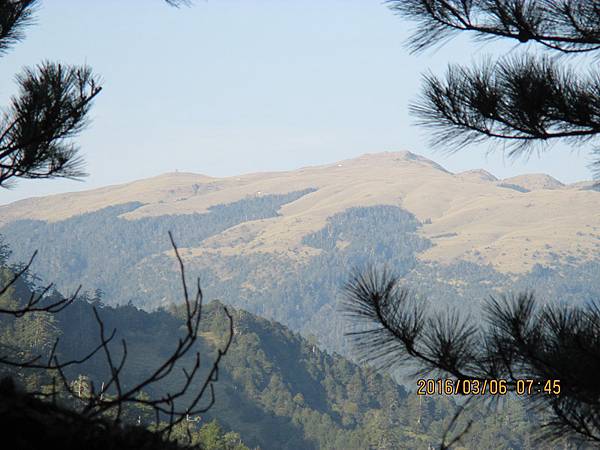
[(534, 181), (391, 157), (477, 174)]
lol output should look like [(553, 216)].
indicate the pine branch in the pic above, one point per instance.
[(35, 131), (518, 340), (522, 100), (569, 26), (14, 16)]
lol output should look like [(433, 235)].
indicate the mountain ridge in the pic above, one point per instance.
[(479, 219)]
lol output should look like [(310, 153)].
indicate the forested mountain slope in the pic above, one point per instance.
[(281, 244), (275, 388)]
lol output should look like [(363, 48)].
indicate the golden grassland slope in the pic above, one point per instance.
[(469, 215)]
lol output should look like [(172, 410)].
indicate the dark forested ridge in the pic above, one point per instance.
[(276, 389)]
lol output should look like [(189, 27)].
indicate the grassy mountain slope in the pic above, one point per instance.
[(488, 224), (282, 244)]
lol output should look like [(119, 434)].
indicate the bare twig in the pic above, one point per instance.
[(99, 403)]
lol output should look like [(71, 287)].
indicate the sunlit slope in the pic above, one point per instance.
[(512, 223)]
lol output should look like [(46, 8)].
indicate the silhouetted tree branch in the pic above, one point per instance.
[(517, 340), (38, 302), (196, 390), (447, 443), (520, 101), (570, 26), (35, 423), (51, 108), (98, 403), (14, 16), (35, 304), (178, 3)]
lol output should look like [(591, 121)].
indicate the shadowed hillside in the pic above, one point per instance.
[(275, 388)]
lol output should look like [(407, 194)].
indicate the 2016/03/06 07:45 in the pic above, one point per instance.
[(448, 386)]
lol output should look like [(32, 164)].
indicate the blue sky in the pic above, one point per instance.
[(228, 87)]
